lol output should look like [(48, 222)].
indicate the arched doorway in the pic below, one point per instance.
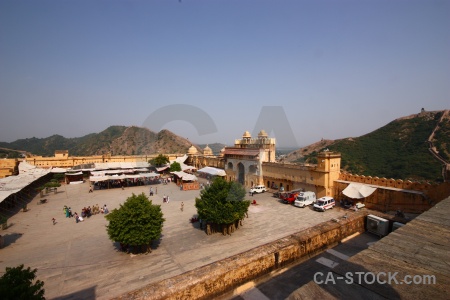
[(241, 173)]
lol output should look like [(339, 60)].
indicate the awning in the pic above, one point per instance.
[(74, 174), (102, 177), (185, 176), (358, 190), (213, 171), (58, 170)]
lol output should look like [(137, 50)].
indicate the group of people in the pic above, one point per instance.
[(86, 212)]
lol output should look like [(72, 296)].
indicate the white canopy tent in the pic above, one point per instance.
[(121, 165), (185, 176), (121, 177), (14, 184), (358, 190), (58, 170), (213, 171)]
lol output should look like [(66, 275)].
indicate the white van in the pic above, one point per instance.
[(324, 203), (305, 199), (258, 189)]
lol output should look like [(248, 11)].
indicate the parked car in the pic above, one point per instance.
[(305, 199), (258, 189), (324, 203), (289, 197)]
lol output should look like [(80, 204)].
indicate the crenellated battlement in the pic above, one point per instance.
[(392, 183)]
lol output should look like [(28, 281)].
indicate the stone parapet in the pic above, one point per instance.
[(225, 275)]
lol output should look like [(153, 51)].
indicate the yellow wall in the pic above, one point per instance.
[(66, 161), (8, 167)]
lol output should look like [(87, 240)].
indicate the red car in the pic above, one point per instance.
[(289, 197)]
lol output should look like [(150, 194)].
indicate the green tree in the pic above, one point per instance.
[(175, 167), (17, 283), (160, 160), (136, 223), (222, 206)]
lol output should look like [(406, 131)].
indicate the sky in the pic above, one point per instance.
[(211, 70)]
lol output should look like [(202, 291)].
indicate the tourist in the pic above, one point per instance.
[(105, 209), (77, 218), (67, 210), (90, 189), (54, 221), (182, 206)]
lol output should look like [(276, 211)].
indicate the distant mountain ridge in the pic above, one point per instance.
[(400, 150), (117, 140), (406, 148)]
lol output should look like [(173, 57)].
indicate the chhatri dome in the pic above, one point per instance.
[(192, 150), (207, 151), (262, 134), (246, 135), (222, 152)]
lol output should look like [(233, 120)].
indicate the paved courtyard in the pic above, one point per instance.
[(79, 261)]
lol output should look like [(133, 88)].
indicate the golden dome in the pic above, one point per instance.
[(246, 135), (262, 133), (207, 151), (192, 150)]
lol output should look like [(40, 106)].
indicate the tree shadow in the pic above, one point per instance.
[(86, 294), (128, 249), (11, 238)]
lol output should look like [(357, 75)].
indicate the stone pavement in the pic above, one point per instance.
[(78, 261)]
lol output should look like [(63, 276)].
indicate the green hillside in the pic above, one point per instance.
[(398, 150)]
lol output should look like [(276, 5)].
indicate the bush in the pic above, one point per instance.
[(136, 223), (223, 204), (17, 283)]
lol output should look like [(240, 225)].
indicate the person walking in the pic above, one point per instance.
[(182, 206)]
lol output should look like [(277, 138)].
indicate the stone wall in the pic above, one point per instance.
[(225, 275), (408, 196)]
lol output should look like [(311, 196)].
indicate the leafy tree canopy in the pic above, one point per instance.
[(175, 167), (222, 202), (17, 283), (160, 160), (137, 222)]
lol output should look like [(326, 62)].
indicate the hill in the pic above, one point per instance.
[(399, 150), (119, 140)]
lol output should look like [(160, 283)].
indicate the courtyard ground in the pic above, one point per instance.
[(78, 261)]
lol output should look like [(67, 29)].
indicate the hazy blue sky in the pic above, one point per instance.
[(336, 68)]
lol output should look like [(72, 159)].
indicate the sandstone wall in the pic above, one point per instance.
[(396, 193)]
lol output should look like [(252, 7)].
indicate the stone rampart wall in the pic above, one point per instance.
[(225, 275), (433, 193)]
